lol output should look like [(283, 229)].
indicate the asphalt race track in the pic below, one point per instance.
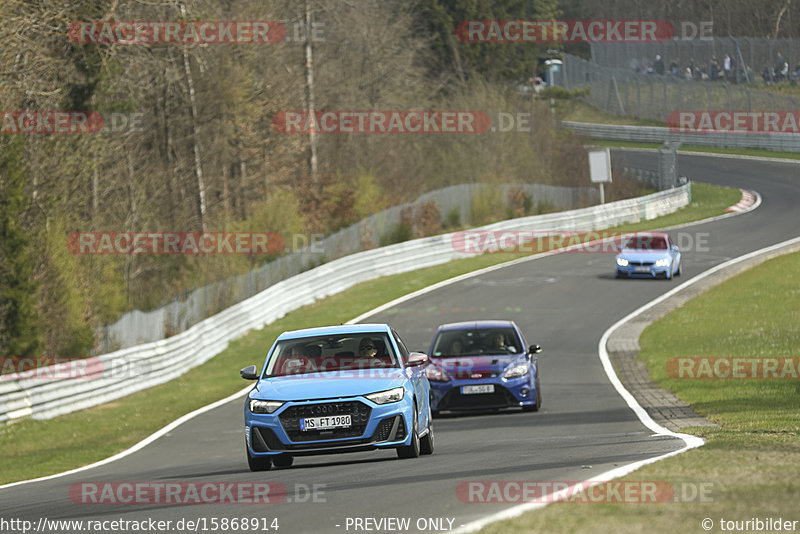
[(563, 302)]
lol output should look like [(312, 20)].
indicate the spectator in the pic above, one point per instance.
[(658, 66), (714, 70), (726, 64)]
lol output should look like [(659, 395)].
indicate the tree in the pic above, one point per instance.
[(18, 332)]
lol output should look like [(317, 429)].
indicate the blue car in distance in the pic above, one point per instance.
[(335, 389), (648, 255), (483, 365)]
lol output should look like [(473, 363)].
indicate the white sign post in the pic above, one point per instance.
[(600, 168)]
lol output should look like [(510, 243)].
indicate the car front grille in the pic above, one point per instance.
[(263, 439), (500, 398), (641, 263), (358, 411)]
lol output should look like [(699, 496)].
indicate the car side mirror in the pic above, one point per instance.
[(417, 358), (249, 373), (675, 248), (534, 349)]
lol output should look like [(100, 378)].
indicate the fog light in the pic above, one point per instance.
[(524, 392)]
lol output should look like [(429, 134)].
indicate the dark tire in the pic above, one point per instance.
[(411, 451), (618, 275), (678, 272), (434, 413), (426, 443), (257, 463), (283, 460)]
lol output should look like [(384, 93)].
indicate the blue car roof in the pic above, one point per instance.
[(492, 323), (337, 329)]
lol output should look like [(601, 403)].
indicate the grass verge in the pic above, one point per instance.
[(749, 464), (96, 433)]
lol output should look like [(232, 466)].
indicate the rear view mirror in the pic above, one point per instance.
[(417, 358), (249, 373)]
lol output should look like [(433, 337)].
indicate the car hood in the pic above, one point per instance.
[(465, 366), (637, 255), (328, 385)]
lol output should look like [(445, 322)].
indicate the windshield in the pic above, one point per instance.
[(646, 242), (473, 342), (331, 353)]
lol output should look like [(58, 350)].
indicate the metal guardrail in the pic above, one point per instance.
[(136, 327), (150, 364), (645, 134)]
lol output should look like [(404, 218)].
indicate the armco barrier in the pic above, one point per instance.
[(161, 361), (770, 141)]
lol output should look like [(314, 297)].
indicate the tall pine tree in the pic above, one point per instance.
[(19, 336)]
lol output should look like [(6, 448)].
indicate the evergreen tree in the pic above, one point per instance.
[(19, 335)]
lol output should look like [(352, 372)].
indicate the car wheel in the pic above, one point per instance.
[(678, 272), (263, 463), (283, 460), (426, 443), (411, 451)]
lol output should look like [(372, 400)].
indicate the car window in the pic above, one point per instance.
[(321, 354), (646, 242), (404, 353), (476, 341)]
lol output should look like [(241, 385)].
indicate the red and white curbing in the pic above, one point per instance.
[(748, 199)]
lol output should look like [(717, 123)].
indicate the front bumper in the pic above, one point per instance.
[(373, 426), (516, 392), (634, 271)]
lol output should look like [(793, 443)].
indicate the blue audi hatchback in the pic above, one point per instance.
[(337, 389), (482, 365)]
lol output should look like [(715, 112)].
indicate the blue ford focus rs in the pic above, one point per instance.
[(483, 365), (336, 389)]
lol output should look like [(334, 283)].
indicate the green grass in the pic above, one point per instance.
[(751, 459), (96, 433), (706, 201), (575, 110)]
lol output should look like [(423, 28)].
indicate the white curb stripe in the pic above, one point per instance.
[(171, 426)]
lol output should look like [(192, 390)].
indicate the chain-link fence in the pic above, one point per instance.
[(454, 204), (620, 91), (732, 59)]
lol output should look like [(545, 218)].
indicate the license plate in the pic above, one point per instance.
[(643, 269), (325, 423), (472, 390)]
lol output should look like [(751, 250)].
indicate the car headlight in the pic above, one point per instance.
[(516, 371), (262, 406), (436, 374), (662, 262), (386, 397), (622, 262)]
